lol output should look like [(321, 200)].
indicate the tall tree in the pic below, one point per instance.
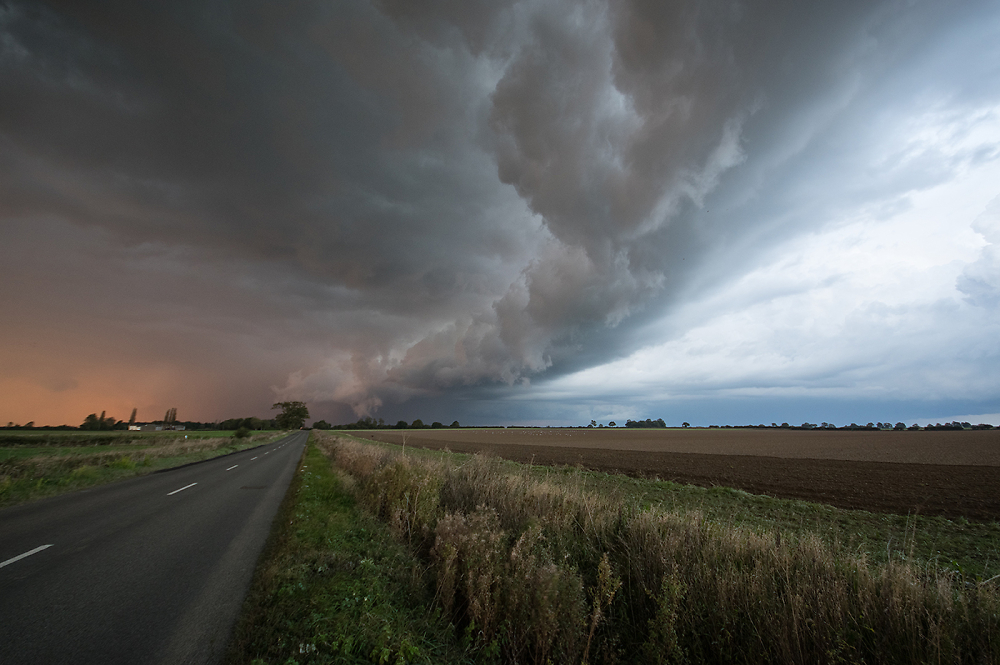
[(293, 414), (95, 422)]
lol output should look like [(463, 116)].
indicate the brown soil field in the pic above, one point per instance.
[(952, 474)]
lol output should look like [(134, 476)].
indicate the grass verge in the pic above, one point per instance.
[(335, 586), (547, 569), (29, 473)]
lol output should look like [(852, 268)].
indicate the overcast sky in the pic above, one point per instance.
[(501, 212)]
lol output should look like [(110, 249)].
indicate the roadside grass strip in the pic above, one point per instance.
[(27, 474), (335, 586), (533, 567)]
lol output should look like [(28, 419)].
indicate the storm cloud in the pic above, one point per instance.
[(473, 206)]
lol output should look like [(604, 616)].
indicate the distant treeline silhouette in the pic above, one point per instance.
[(368, 422)]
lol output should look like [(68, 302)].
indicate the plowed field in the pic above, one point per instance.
[(953, 474)]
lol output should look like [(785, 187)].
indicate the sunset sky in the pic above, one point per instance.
[(535, 212)]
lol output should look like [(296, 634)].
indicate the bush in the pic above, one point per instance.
[(124, 462), (242, 433)]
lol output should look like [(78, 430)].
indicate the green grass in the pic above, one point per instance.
[(32, 472), (971, 547), (967, 546), (335, 586)]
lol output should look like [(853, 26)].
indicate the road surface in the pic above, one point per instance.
[(148, 570)]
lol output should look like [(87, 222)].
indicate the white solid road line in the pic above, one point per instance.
[(232, 467), (21, 556), (181, 489)]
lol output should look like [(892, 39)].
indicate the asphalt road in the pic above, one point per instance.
[(148, 570)]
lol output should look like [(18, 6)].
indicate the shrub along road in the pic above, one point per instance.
[(151, 569)]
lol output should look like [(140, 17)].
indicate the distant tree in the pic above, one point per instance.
[(612, 424), (293, 414), (455, 424), (418, 424), (437, 425), (367, 422), (593, 423), (93, 422), (685, 424), (645, 423), (401, 425), (131, 419), (321, 424)]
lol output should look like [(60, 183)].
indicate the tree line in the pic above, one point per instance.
[(368, 422)]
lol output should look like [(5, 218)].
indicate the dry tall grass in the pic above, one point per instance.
[(547, 571)]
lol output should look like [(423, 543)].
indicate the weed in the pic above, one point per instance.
[(516, 556), (124, 462)]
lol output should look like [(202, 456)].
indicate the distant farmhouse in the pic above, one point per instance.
[(168, 424), (155, 427)]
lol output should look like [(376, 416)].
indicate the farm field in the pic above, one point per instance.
[(954, 474)]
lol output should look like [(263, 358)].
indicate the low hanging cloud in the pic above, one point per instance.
[(411, 200)]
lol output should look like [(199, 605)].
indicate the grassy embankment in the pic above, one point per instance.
[(35, 465), (540, 565), (334, 584)]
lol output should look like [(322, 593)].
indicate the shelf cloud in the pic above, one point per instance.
[(500, 211)]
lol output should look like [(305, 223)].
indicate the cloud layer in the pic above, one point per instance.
[(380, 206)]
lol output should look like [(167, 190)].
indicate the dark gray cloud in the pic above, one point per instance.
[(375, 202)]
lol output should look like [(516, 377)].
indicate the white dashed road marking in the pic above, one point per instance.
[(21, 556), (181, 489), (232, 467)]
